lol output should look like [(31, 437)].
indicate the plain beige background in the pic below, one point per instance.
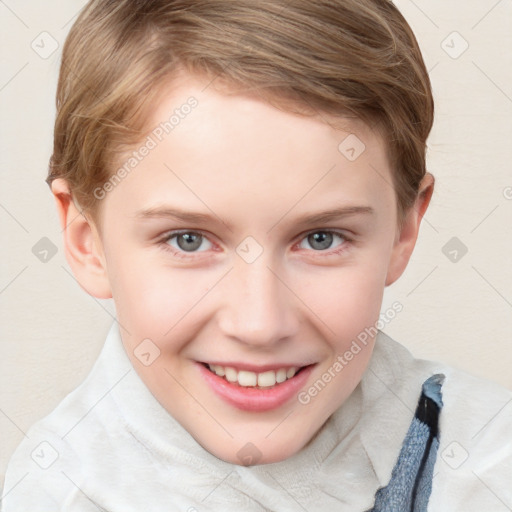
[(457, 305)]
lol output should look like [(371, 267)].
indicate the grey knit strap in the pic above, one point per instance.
[(410, 485)]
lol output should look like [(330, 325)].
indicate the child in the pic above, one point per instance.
[(202, 151)]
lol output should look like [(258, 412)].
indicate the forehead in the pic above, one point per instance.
[(235, 154)]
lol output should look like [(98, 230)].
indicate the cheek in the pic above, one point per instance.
[(346, 302), (151, 299)]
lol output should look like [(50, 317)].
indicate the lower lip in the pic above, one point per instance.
[(253, 399)]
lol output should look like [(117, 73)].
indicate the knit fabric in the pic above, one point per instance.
[(411, 480)]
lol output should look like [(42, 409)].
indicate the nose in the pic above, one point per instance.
[(259, 309)]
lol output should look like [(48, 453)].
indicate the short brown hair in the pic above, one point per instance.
[(337, 57)]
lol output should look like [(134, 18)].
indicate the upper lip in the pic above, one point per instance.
[(254, 367)]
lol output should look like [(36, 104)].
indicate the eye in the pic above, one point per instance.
[(186, 241), (322, 240)]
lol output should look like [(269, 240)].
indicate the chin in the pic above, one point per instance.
[(259, 452)]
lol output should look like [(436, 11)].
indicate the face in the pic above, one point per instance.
[(255, 241)]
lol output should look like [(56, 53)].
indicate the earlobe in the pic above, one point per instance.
[(406, 238), (82, 244)]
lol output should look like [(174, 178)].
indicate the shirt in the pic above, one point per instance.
[(110, 446)]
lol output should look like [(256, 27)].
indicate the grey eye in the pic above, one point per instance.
[(320, 240), (188, 241)]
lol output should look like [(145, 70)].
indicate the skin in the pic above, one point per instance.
[(256, 169)]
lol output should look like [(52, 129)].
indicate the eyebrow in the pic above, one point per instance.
[(333, 214), (167, 212)]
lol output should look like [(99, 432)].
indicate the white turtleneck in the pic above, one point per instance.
[(111, 446)]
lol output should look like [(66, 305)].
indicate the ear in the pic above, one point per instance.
[(82, 244), (406, 237)]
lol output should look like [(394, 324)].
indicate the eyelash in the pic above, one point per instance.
[(163, 243)]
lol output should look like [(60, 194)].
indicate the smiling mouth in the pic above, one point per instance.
[(258, 380)]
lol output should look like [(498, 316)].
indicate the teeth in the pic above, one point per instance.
[(267, 379), (281, 375), (231, 375), (247, 378), (218, 370), (251, 379), (291, 372)]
